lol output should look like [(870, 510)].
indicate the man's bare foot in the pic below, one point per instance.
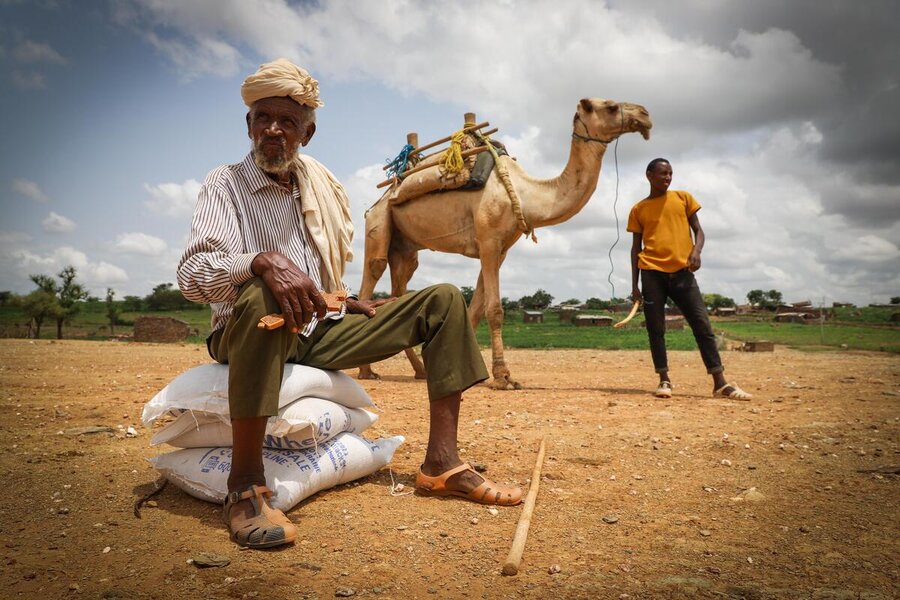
[(253, 523)]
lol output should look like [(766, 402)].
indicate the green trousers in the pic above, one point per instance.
[(434, 317)]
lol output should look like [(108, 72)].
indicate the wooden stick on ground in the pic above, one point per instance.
[(511, 566)]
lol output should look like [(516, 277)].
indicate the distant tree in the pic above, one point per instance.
[(894, 299), (112, 310), (508, 305), (572, 302), (44, 282), (467, 293), (714, 301), (539, 300), (39, 305), (596, 304), (70, 294), (132, 303), (166, 296), (5, 297), (765, 300)]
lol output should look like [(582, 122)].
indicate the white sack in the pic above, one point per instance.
[(303, 423), (205, 389), (291, 474)]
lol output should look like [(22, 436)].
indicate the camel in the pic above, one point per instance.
[(481, 223)]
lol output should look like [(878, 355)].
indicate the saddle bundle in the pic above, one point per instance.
[(466, 164)]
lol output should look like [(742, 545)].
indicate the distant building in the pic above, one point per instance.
[(593, 321), (566, 313), (532, 316)]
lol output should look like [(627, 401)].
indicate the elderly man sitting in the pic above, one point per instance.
[(268, 235)]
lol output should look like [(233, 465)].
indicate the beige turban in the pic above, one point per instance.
[(281, 77)]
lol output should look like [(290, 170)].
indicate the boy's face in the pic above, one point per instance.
[(660, 177)]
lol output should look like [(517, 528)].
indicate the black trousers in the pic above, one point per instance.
[(682, 288)]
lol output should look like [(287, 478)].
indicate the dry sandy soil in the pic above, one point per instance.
[(674, 473)]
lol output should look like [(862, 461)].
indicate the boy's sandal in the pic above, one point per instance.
[(663, 390), (268, 527), (487, 491), (736, 393)]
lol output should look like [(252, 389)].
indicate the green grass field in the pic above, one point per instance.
[(853, 328)]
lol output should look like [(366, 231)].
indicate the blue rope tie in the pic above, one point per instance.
[(398, 165)]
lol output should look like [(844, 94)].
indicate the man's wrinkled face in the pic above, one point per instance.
[(277, 127), (660, 176)]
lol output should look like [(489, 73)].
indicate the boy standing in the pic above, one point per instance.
[(665, 256)]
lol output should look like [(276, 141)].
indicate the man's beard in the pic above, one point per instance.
[(278, 164)]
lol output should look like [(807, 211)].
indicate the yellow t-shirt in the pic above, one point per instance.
[(663, 224)]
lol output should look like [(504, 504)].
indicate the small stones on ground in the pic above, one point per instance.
[(804, 529), (554, 569), (726, 462), (208, 559), (474, 521), (106, 550), (714, 570), (610, 519), (751, 467), (344, 592), (705, 532), (444, 534), (493, 511), (480, 467), (432, 590)]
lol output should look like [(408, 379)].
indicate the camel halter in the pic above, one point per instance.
[(586, 138)]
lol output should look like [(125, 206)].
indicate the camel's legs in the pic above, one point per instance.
[(476, 306), (492, 257), (378, 241), (403, 265)]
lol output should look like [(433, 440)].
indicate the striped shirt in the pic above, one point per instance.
[(240, 213)]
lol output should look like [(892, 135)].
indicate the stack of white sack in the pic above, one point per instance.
[(311, 444)]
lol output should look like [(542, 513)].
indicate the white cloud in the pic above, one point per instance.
[(28, 80), (95, 274), (140, 243), (30, 189), (174, 200), (205, 56), (34, 52), (56, 223), (14, 237)]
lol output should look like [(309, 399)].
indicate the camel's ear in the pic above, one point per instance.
[(587, 105)]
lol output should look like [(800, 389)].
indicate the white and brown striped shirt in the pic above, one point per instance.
[(241, 212)]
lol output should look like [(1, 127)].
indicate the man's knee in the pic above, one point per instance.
[(255, 299), (446, 295)]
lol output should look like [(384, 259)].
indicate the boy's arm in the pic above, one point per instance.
[(637, 243), (699, 240)]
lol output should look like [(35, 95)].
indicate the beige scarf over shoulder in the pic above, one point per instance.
[(326, 211)]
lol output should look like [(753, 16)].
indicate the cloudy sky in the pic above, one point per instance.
[(780, 117)]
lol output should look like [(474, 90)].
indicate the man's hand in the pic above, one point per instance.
[(365, 307), (636, 294), (295, 292), (694, 260)]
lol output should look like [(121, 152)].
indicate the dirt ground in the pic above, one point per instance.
[(673, 475)]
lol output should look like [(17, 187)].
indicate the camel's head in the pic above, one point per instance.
[(606, 120)]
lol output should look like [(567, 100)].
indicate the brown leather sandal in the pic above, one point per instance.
[(487, 491), (267, 528)]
